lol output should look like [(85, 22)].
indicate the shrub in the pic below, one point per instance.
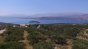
[(11, 45), (43, 45)]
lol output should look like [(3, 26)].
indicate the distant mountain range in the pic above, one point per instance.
[(52, 16), (68, 16), (2, 23), (64, 18)]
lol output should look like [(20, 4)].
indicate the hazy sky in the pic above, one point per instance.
[(30, 7)]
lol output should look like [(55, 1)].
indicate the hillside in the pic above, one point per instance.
[(8, 24), (54, 36), (56, 16)]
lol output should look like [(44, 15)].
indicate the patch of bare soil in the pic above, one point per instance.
[(83, 35)]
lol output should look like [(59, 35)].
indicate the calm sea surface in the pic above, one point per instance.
[(51, 21)]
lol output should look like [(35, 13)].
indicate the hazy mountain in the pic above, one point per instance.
[(75, 17), (2, 23), (65, 18), (52, 16)]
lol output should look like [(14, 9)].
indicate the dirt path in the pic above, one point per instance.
[(26, 41)]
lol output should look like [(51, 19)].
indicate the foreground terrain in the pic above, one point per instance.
[(56, 36)]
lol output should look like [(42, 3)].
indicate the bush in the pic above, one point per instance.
[(14, 34), (80, 44), (42, 45), (11, 45)]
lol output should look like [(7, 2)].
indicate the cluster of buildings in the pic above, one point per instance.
[(25, 26), (21, 25)]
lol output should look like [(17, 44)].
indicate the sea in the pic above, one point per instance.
[(42, 21)]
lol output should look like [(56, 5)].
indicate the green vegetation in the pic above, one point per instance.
[(11, 45), (42, 45), (12, 37), (80, 44), (54, 34), (45, 37), (14, 34)]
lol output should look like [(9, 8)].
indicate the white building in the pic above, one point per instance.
[(14, 25), (23, 25)]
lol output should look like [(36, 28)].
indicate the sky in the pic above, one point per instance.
[(32, 7)]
